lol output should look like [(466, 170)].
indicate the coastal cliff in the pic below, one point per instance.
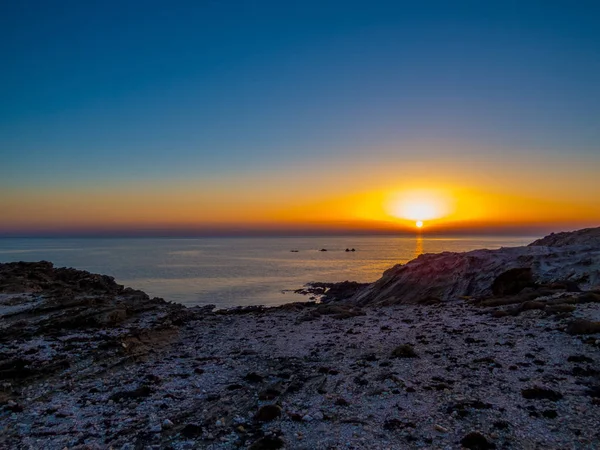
[(567, 259), (480, 350)]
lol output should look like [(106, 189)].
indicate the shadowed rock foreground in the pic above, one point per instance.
[(481, 350)]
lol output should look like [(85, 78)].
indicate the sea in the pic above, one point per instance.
[(235, 271)]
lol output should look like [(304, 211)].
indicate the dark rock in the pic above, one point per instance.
[(267, 413), (512, 281), (559, 309), (253, 377), (191, 430), (584, 372), (550, 414), (360, 381), (270, 393), (477, 441), (404, 351), (501, 424), (341, 402), (396, 424), (268, 443), (14, 408), (331, 292), (539, 393), (463, 408), (580, 359), (589, 297), (594, 391), (582, 326), (135, 394)]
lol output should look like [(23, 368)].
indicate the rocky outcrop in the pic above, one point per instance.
[(574, 262), (587, 236), (53, 318)]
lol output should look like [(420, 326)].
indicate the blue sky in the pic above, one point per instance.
[(100, 92)]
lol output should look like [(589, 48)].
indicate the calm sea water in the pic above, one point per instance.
[(237, 271)]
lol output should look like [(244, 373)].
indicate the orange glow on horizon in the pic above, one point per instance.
[(447, 197)]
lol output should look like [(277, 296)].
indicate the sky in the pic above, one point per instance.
[(273, 117)]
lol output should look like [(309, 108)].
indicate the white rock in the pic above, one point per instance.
[(450, 275)]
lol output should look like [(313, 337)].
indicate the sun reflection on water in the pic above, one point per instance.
[(418, 245)]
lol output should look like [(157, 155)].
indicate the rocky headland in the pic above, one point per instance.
[(480, 350)]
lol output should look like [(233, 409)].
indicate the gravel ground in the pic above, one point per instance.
[(449, 375)]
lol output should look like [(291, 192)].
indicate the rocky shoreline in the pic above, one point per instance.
[(481, 350)]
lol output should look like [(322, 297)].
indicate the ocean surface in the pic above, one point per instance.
[(237, 271)]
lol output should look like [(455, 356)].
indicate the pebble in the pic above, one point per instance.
[(156, 428)]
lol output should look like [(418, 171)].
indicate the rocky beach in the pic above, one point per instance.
[(479, 350)]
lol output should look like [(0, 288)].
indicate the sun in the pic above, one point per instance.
[(419, 205)]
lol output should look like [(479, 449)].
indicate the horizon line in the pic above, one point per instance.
[(191, 234)]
